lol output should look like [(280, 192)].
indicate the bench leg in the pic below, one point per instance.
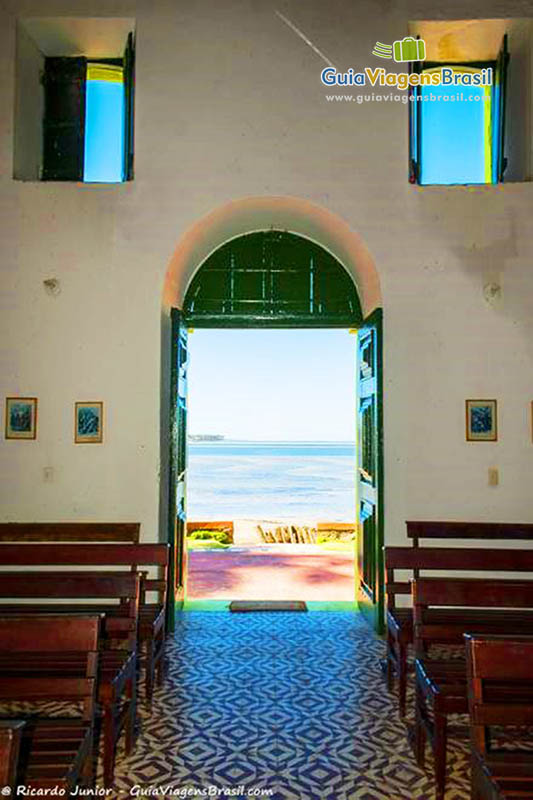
[(149, 661), (476, 779), (402, 677), (439, 753), (420, 729), (131, 720), (389, 672), (88, 772), (161, 666), (109, 732)]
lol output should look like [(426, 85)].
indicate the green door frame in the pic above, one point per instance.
[(370, 471), (220, 306)]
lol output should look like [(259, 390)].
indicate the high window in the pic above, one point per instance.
[(88, 119), (104, 150), (74, 99), (457, 128)]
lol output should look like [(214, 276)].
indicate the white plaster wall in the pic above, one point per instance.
[(29, 108), (229, 105)]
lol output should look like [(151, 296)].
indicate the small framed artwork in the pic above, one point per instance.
[(21, 417), (89, 422), (481, 421)]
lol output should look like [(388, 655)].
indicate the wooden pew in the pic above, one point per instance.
[(471, 531), (152, 629), (117, 686), (51, 658), (416, 560), (10, 734), (83, 532), (500, 692), (503, 606)]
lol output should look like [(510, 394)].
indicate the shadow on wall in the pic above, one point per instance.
[(483, 231)]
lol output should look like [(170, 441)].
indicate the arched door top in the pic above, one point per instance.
[(271, 279), (282, 213)]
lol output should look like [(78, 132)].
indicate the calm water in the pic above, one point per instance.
[(271, 480)]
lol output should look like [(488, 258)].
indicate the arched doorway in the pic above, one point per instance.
[(276, 278)]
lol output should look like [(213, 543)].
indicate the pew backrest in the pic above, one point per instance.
[(49, 633), (482, 531), (132, 556), (500, 684), (511, 599), (27, 675), (122, 590), (82, 532), (456, 559)]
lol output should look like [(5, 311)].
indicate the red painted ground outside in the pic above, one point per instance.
[(278, 572)]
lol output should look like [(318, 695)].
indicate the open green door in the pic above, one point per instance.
[(370, 470), (178, 465)]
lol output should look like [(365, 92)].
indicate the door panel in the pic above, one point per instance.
[(178, 464), (370, 470)]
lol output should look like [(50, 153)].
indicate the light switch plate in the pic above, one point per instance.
[(494, 476)]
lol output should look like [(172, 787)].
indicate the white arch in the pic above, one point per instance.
[(292, 214)]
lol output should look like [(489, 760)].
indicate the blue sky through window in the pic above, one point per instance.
[(454, 135), (294, 385), (104, 128)]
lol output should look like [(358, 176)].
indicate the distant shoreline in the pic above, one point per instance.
[(223, 440)]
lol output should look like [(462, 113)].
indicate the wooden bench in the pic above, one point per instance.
[(489, 606), (416, 560), (10, 734), (82, 532), (152, 628), (54, 752), (499, 666), (500, 692), (508, 782), (471, 531), (118, 673), (399, 620)]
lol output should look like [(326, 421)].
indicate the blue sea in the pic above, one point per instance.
[(271, 480)]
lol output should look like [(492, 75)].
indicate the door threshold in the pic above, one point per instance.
[(267, 605)]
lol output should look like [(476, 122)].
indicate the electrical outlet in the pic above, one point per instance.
[(494, 477)]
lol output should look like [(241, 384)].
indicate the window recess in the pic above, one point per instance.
[(74, 109), (88, 119), (457, 131)]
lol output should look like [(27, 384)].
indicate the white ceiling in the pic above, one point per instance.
[(94, 37), (461, 40)]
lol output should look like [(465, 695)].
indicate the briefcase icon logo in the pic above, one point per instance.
[(409, 49)]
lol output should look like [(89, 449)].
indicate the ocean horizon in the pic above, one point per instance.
[(271, 480)]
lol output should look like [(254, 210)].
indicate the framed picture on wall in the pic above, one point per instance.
[(481, 421), (21, 418), (89, 422)]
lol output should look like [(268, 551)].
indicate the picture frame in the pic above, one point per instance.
[(481, 420), (89, 422), (21, 418)]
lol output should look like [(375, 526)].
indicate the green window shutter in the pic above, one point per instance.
[(413, 107), (64, 119), (129, 87), (500, 81)]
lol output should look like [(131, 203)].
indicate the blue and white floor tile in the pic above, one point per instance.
[(294, 703)]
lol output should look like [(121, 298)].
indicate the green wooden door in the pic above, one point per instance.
[(178, 464), (370, 470)]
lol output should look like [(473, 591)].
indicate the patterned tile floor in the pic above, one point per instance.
[(293, 703)]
